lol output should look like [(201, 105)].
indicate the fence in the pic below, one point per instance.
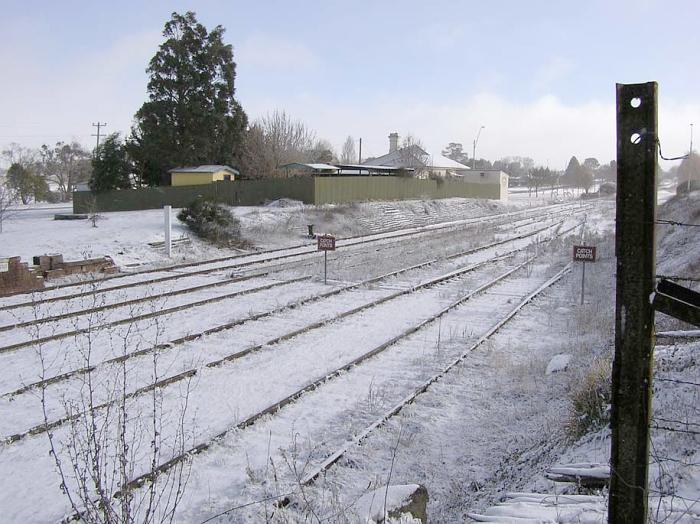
[(339, 190), (242, 193), (310, 190)]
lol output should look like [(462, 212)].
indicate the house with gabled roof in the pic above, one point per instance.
[(416, 159)]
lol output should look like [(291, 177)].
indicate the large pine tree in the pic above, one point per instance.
[(110, 166), (191, 116)]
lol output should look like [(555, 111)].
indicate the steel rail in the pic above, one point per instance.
[(220, 283), (46, 426), (345, 242), (310, 386), (314, 384), (356, 440), (409, 399), (257, 316), (145, 316)]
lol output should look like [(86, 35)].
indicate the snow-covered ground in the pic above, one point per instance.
[(125, 236), (495, 423)]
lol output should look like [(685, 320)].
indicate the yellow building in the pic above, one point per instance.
[(195, 176)]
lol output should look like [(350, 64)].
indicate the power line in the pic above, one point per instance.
[(677, 381), (675, 223), (675, 430), (677, 277), (658, 142)]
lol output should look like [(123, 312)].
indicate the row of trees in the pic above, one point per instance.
[(46, 173), (192, 117), (523, 171), (277, 139)]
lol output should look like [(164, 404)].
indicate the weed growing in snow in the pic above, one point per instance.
[(107, 431), (590, 400)]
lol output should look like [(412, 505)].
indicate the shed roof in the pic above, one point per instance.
[(315, 167), (370, 166), (204, 169)]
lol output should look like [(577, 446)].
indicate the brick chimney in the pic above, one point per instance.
[(393, 142)]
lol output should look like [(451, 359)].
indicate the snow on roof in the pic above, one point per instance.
[(396, 158), (400, 156), (443, 161), (368, 166), (317, 167), (204, 169)]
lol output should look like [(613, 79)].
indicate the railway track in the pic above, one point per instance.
[(188, 373), (325, 460), (221, 442), (258, 316), (240, 261), (219, 365), (18, 313), (33, 337), (79, 370)]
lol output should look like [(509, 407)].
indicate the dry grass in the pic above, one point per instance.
[(590, 400)]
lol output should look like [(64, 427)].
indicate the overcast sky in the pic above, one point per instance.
[(539, 75)]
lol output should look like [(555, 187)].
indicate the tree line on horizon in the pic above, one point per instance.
[(191, 117)]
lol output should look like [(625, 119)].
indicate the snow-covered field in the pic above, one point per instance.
[(257, 372), (125, 236)]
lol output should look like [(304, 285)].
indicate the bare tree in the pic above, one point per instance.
[(272, 141), (413, 156), (348, 155), (65, 165), (286, 140), (257, 160), (110, 429), (321, 152), (7, 199), (93, 210), (18, 154)]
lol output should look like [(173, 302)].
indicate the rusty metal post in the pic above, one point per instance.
[(634, 314)]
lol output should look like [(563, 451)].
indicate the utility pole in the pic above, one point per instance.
[(690, 158), (476, 141), (359, 156), (635, 249), (98, 125)]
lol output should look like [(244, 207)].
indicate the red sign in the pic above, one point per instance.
[(584, 253), (326, 242)]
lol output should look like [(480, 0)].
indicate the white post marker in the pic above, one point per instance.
[(325, 243), (168, 243), (584, 254)]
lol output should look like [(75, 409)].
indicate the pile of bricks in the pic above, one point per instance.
[(53, 266), (17, 277)]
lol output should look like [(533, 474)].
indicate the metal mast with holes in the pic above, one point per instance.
[(634, 314)]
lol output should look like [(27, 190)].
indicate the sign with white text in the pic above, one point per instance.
[(584, 253), (326, 242)]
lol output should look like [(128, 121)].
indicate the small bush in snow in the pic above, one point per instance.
[(212, 221), (590, 400)]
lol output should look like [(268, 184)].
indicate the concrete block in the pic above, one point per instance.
[(411, 499)]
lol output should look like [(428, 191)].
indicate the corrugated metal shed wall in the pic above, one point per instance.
[(340, 189), (242, 193), (319, 190)]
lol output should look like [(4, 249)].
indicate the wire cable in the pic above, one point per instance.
[(658, 143)]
